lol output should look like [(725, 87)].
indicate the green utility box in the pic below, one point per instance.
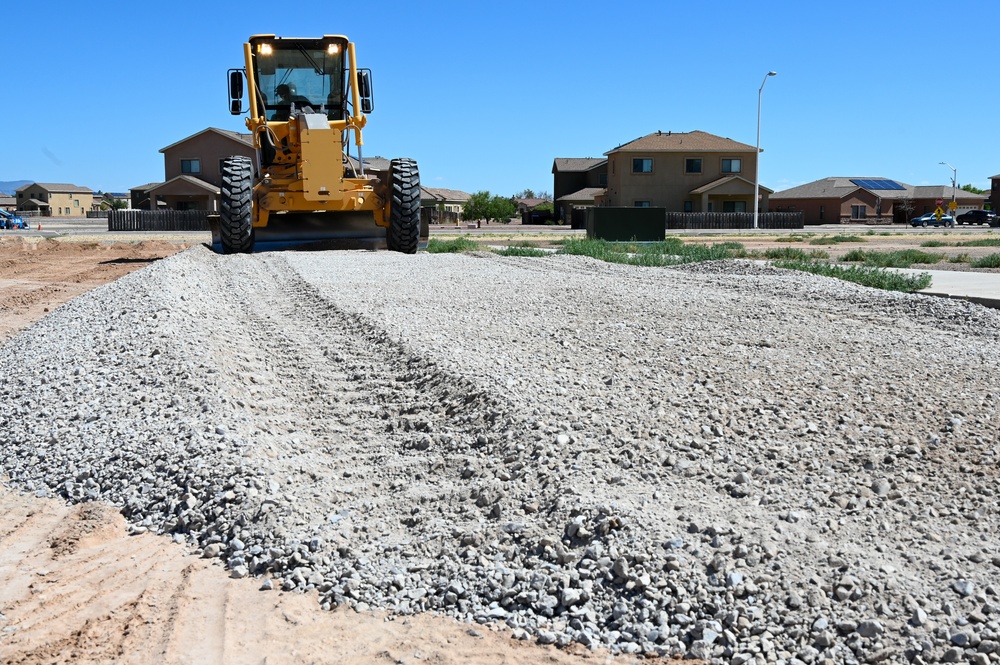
[(625, 224)]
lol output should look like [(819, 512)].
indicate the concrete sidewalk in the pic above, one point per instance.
[(977, 287)]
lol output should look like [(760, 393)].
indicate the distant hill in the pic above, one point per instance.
[(8, 187)]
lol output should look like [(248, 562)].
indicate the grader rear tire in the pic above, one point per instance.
[(404, 212), (235, 209)]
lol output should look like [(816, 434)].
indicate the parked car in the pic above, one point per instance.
[(976, 217), (930, 219)]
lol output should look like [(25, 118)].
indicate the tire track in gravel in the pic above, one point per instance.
[(343, 414)]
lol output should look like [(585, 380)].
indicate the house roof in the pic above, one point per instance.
[(145, 188), (443, 195), (37, 203), (197, 182), (576, 164), (945, 192), (839, 187), (726, 179), (585, 194), (696, 141), (246, 139), (530, 203), (58, 188)]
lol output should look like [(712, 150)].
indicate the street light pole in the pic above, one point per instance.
[(756, 166), (954, 180)]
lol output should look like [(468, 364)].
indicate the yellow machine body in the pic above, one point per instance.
[(307, 101)]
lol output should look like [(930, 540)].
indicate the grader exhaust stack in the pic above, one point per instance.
[(307, 99)]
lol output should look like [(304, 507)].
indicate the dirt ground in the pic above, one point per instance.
[(75, 587)]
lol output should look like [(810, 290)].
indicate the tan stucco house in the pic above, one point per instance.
[(192, 169), (55, 199), (683, 172)]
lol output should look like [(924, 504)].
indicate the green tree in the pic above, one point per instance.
[(972, 189), (490, 207)]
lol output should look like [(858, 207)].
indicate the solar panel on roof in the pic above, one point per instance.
[(877, 183)]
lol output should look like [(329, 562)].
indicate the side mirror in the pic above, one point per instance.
[(365, 90), (236, 91)]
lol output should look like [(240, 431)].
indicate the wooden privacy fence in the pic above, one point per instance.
[(158, 220), (734, 220)]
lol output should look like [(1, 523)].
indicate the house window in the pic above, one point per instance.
[(734, 206), (688, 206), (692, 166), (602, 179), (642, 204), (640, 165), (190, 166), (821, 210), (859, 212), (732, 165), (76, 203)]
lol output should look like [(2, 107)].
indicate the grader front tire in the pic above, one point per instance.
[(404, 212), (236, 211)]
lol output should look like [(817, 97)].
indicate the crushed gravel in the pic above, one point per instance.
[(724, 461)]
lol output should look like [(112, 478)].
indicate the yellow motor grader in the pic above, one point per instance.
[(305, 98)]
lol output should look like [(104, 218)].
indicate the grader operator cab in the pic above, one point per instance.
[(305, 98)]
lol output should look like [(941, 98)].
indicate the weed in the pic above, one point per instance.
[(935, 243), (898, 259), (984, 242), (991, 261), (786, 253), (521, 250), (460, 244), (833, 240), (864, 275), (960, 258)]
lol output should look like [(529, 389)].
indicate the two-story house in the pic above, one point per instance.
[(55, 199), (683, 172), (192, 169)]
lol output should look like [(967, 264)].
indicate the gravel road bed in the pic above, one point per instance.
[(725, 461)]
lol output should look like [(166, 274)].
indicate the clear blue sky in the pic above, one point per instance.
[(485, 95)]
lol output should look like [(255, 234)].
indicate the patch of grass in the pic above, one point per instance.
[(991, 261), (864, 275), (984, 242), (960, 258), (521, 251), (833, 240), (898, 259), (786, 254), (818, 254), (460, 244), (935, 243), (668, 252)]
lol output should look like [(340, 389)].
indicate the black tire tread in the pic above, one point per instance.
[(404, 208), (236, 206)]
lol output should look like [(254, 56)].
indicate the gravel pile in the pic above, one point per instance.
[(726, 461)]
